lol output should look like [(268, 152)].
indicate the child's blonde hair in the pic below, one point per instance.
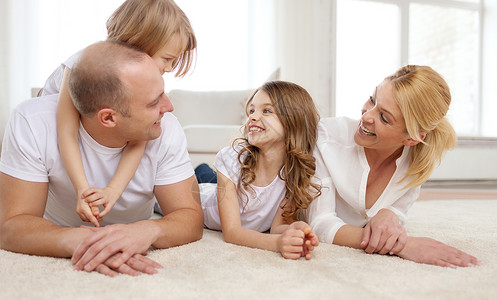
[(151, 24), (298, 115), (424, 98)]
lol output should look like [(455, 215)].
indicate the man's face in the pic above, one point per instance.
[(147, 102)]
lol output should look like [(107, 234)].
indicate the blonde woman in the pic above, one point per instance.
[(162, 30), (376, 166)]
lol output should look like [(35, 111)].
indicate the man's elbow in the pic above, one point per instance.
[(197, 225), (7, 237)]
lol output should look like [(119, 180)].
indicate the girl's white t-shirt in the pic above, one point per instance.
[(258, 212), (54, 81)]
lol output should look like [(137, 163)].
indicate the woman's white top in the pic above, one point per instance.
[(344, 170), (256, 214)]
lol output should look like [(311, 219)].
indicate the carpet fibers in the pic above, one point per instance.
[(213, 269)]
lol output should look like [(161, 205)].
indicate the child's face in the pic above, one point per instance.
[(263, 126), (165, 57)]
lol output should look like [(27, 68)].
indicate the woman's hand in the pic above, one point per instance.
[(429, 251), (384, 234)]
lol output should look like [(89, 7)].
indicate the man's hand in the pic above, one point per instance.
[(107, 241), (136, 265), (384, 234)]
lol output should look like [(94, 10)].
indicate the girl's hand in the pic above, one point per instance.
[(310, 239), (384, 234), (291, 243), (87, 213), (429, 251), (106, 197), (297, 241)]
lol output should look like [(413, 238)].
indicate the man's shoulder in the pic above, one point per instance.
[(36, 106)]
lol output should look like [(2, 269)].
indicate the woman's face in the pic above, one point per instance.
[(382, 125)]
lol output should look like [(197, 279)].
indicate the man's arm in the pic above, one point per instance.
[(182, 223), (183, 220), (22, 227)]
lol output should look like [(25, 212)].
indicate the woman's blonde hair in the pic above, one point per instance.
[(298, 115), (151, 24), (424, 98)]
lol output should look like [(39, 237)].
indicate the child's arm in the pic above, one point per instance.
[(67, 132), (126, 169), (289, 244)]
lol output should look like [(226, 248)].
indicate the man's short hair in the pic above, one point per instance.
[(95, 82)]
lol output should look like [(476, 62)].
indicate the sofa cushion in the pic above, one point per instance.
[(210, 107), (210, 138)]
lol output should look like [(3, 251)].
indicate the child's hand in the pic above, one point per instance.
[(106, 197), (310, 238), (297, 240), (87, 213)]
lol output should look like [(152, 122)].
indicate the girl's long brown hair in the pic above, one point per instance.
[(299, 117)]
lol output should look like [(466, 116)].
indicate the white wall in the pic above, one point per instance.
[(469, 161), (4, 60), (304, 47)]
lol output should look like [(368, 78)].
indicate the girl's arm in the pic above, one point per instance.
[(290, 245), (67, 132), (126, 169)]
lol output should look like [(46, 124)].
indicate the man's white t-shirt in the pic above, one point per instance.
[(30, 153), (344, 170), (258, 211)]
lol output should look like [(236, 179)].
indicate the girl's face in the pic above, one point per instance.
[(382, 125), (168, 54), (263, 126)]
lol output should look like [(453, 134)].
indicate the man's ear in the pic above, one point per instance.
[(412, 142), (107, 117)]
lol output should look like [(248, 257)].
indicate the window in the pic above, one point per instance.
[(376, 37)]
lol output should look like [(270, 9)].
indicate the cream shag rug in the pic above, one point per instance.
[(213, 269)]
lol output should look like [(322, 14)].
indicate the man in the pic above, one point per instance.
[(37, 200)]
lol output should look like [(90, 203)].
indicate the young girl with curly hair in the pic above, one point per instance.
[(267, 177)]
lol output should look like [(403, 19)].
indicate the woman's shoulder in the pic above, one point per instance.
[(337, 129)]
